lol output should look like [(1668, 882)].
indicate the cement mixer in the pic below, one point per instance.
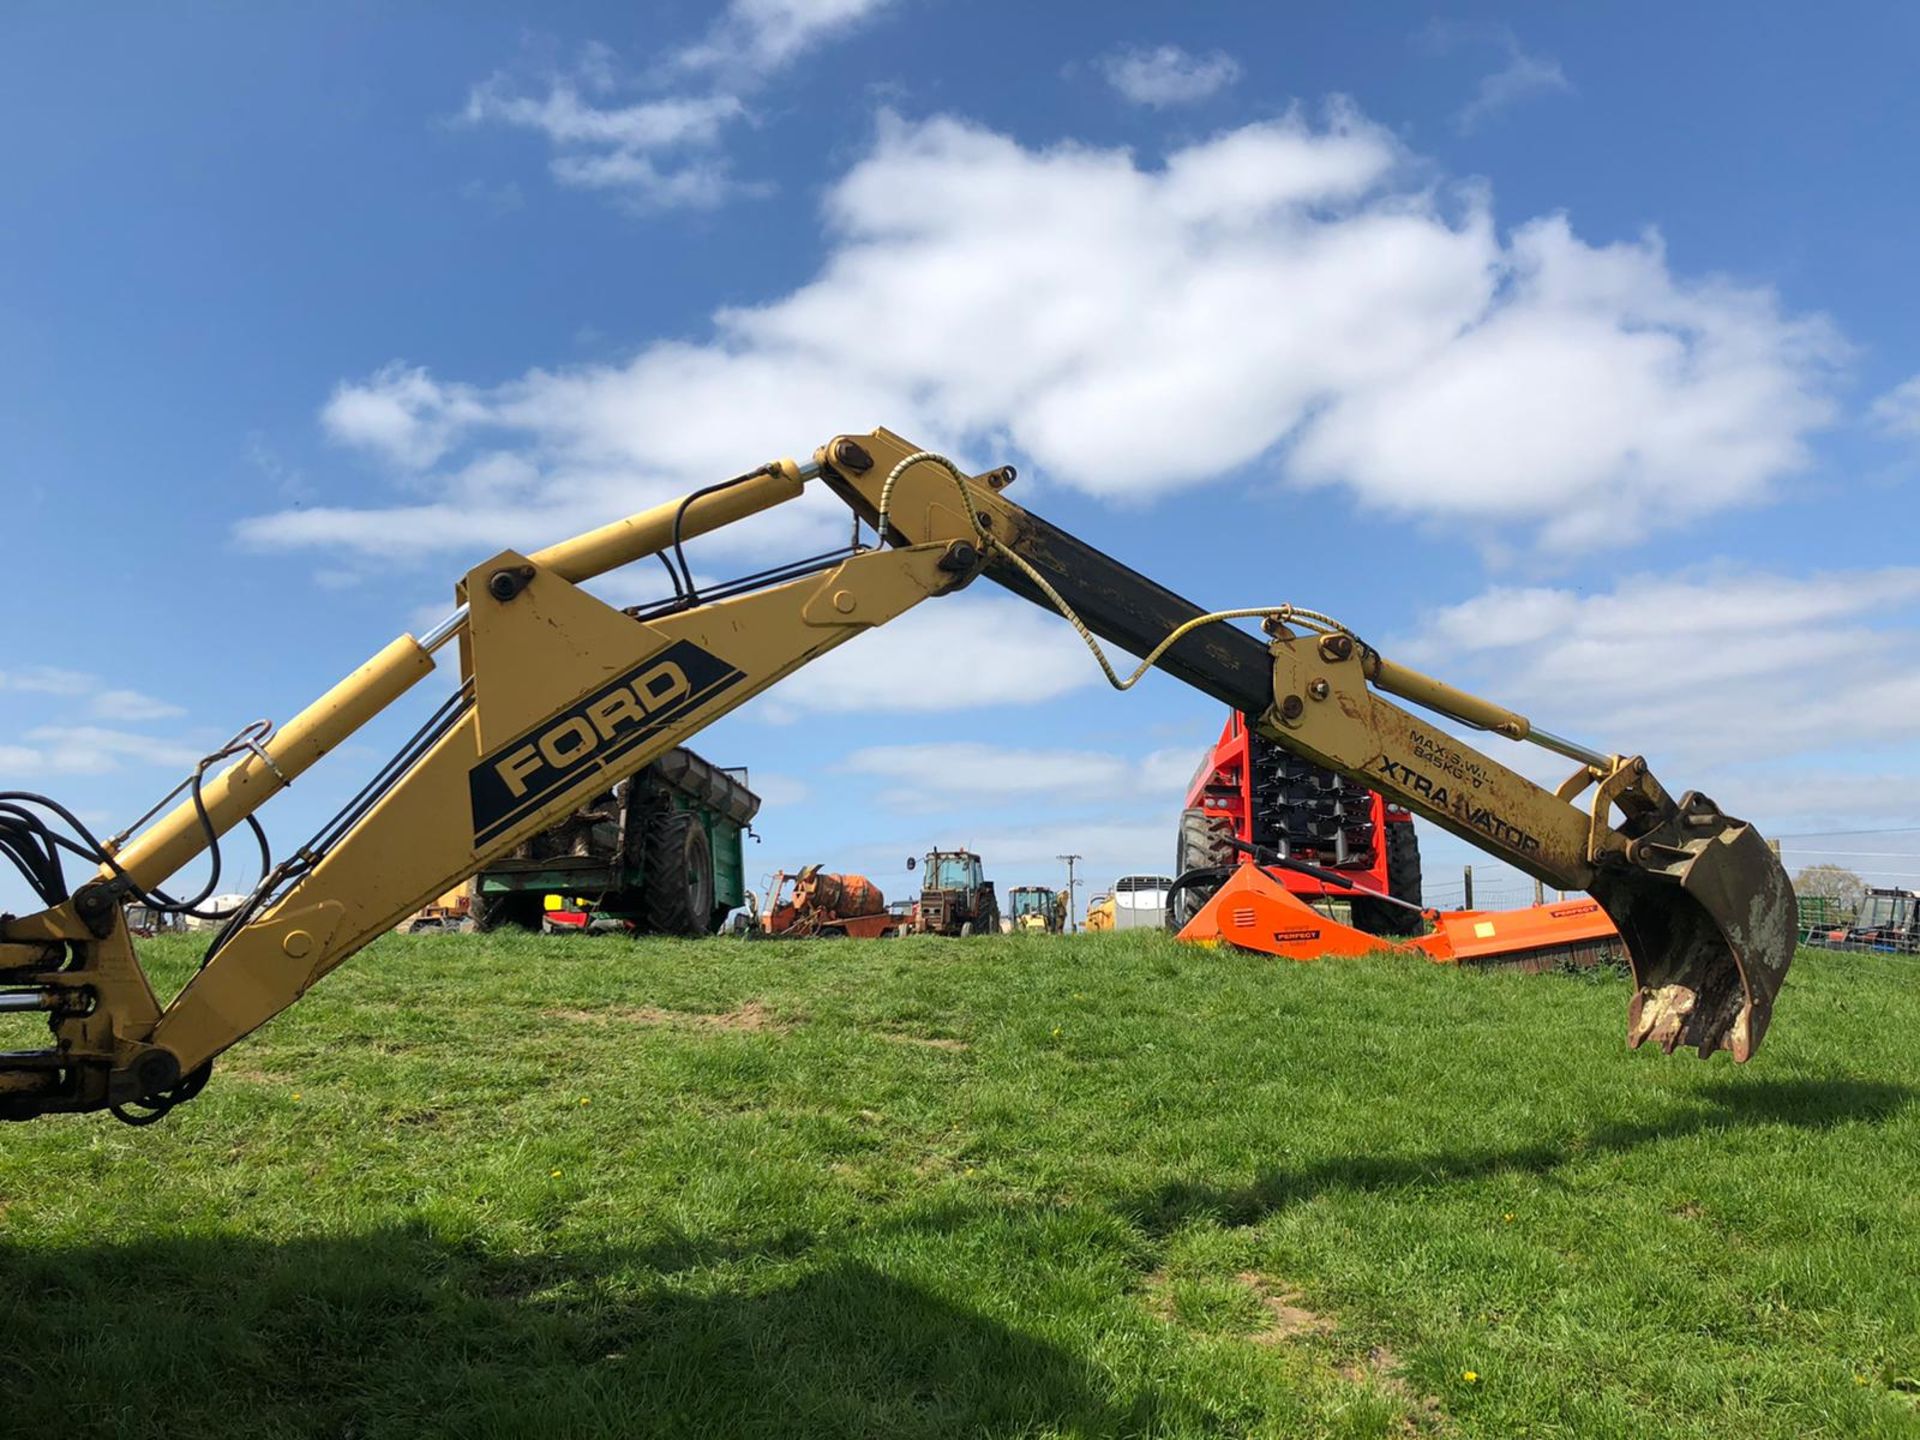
[(825, 905)]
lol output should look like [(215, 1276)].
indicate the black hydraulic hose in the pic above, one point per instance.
[(674, 575), (1195, 878), (31, 862), (31, 848), (1264, 857), (213, 841), (691, 595), (727, 589), (88, 847)]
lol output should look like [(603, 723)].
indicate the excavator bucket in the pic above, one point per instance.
[(1709, 933)]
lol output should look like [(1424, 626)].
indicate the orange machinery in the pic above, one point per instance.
[(827, 905), (1253, 910)]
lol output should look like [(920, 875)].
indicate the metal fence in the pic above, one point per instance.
[(1483, 887), (1858, 889)]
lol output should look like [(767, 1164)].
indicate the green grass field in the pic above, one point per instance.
[(501, 1186)]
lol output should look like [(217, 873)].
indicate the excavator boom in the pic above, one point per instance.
[(562, 695)]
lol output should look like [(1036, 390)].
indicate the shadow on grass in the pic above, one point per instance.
[(397, 1333), (1729, 1104)]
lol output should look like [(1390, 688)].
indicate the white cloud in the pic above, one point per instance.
[(936, 774), (664, 152), (566, 119), (1524, 76), (1898, 411), (948, 653), (1296, 295), (402, 414), (118, 704), (595, 443), (1597, 395), (1168, 75), (657, 153), (63, 748), (1819, 798), (1733, 681), (761, 36), (777, 791), (47, 680), (131, 705), (92, 750)]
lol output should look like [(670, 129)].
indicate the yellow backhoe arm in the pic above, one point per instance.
[(562, 695)]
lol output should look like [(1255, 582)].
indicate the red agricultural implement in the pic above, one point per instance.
[(1254, 910), (1250, 791)]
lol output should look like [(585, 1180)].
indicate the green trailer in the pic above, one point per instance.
[(661, 852)]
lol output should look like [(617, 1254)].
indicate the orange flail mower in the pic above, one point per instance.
[(1252, 910)]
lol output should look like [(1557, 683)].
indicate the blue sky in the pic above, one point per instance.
[(1566, 352)]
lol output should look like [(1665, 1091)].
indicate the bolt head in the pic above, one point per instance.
[(959, 559), (157, 1070), (851, 455)]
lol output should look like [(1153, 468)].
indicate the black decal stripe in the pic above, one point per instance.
[(496, 809), (603, 757)]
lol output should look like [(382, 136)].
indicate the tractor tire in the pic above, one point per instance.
[(1205, 842), (966, 929), (1403, 883), (679, 878), (520, 912)]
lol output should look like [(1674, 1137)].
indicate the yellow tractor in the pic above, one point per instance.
[(1035, 910)]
